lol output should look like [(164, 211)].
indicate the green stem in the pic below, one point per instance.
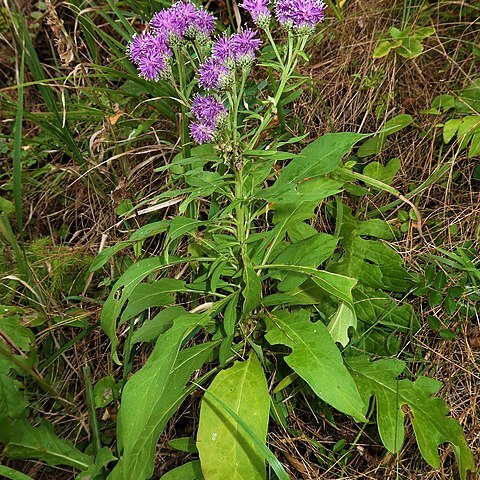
[(97, 444), (236, 99), (184, 134), (275, 49), (292, 60), (240, 212)]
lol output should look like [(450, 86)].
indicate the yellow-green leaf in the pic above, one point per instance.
[(226, 451), (316, 359)]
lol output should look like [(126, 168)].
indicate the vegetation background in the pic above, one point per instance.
[(80, 139)]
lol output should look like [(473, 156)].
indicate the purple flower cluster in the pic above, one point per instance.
[(217, 71), (259, 11), (210, 113), (183, 21), (214, 75), (151, 52), (300, 15)]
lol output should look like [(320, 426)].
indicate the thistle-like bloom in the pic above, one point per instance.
[(202, 132), (223, 48), (183, 20), (244, 44), (210, 114), (208, 108), (213, 75), (151, 54), (153, 67), (259, 11), (147, 44), (302, 16), (203, 23)]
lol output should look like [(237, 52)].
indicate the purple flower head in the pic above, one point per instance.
[(300, 15), (147, 44), (223, 48), (213, 75), (167, 24), (210, 115), (244, 44), (153, 66), (259, 11), (208, 108), (202, 132), (203, 23), (183, 20)]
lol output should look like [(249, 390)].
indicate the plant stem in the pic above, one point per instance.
[(97, 444), (292, 59), (240, 212), (275, 49), (184, 135)]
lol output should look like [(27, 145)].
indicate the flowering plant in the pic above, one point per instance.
[(264, 295)]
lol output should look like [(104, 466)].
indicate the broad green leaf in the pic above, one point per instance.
[(151, 329), (424, 32), (427, 414), (410, 48), (198, 177), (444, 102), (285, 216), (468, 99), (376, 307), (450, 129), (256, 172), (310, 252), (148, 295), (467, 128), (369, 260), (474, 150), (316, 359), (122, 290), (336, 285), (185, 444), (252, 291), (225, 449), (141, 234), (152, 395), (377, 341), (43, 444), (374, 145), (95, 471), (384, 48), (181, 225), (397, 123), (104, 391), (317, 159), (383, 173), (12, 400), (320, 157), (21, 336), (187, 471), (341, 321), (313, 189), (301, 231), (339, 286), (12, 474)]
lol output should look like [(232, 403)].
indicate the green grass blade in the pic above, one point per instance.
[(17, 150)]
